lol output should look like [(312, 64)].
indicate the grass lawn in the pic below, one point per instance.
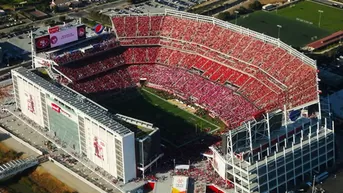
[(176, 125), (293, 32), (331, 18)]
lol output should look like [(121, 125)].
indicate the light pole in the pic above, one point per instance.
[(236, 12), (278, 31), (320, 16)]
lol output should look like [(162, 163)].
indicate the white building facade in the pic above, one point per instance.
[(274, 157), (81, 126)]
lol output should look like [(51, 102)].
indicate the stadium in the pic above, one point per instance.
[(263, 91)]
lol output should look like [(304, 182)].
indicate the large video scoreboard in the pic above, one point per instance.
[(60, 37)]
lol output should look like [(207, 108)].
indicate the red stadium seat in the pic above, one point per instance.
[(230, 74)]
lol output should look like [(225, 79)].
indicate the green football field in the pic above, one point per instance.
[(178, 127), (331, 17), (300, 22), (293, 32)]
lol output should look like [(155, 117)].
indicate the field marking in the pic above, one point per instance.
[(184, 110)]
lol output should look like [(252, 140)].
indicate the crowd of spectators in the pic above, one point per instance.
[(170, 69), (77, 54), (275, 67), (90, 66), (204, 66), (203, 173)]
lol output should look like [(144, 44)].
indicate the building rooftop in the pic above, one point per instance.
[(139, 127), (77, 101), (326, 40)]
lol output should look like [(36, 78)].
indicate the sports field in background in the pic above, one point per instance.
[(331, 18), (176, 125), (293, 32), (299, 22)]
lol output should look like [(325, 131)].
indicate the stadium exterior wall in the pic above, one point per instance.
[(219, 164), (28, 100), (107, 149), (279, 168), (129, 161)]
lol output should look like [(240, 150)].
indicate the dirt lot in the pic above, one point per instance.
[(4, 91)]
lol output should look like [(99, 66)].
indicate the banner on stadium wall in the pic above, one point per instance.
[(67, 36), (40, 62), (81, 32), (63, 37), (98, 28), (58, 109), (180, 184), (99, 148), (42, 43), (57, 37), (219, 164), (54, 29), (30, 103), (55, 106)]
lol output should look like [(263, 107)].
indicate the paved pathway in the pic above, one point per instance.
[(50, 167)]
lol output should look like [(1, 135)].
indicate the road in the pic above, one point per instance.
[(328, 2), (8, 69), (50, 167)]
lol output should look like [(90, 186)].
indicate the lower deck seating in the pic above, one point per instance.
[(218, 99), (194, 77)]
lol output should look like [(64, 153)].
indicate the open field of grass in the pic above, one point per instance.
[(176, 125), (293, 32), (331, 18)]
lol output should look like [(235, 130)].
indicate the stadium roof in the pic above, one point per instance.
[(90, 110), (326, 41)]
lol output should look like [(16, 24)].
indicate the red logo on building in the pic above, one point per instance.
[(30, 104), (55, 107), (59, 110), (53, 40), (81, 32), (42, 42), (98, 147), (54, 29)]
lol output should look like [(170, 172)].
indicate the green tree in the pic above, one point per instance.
[(256, 5), (242, 10), (224, 16)]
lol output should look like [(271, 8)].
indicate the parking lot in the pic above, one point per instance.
[(154, 6), (16, 46)]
